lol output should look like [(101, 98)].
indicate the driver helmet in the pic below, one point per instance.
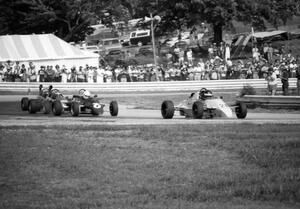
[(86, 94)]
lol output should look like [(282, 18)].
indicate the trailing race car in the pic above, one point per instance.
[(84, 102), (203, 104), (48, 100)]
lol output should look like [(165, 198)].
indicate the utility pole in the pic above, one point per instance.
[(153, 46)]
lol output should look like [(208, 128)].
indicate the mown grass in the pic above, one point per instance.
[(210, 166)]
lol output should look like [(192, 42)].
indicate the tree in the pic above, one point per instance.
[(178, 14)]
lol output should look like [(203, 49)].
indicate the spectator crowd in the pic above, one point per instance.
[(182, 66)]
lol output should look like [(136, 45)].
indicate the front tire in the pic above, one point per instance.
[(167, 109), (24, 103), (57, 108), (113, 108), (75, 109), (198, 110), (241, 110)]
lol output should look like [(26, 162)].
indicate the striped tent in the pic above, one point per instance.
[(44, 49)]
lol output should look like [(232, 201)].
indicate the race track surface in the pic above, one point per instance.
[(129, 116)]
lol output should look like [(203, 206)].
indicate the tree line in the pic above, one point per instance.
[(70, 19)]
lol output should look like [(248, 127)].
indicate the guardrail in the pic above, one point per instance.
[(144, 86), (253, 101)]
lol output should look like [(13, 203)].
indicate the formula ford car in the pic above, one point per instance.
[(84, 102), (203, 104), (48, 100)]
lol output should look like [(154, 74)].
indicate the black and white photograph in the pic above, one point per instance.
[(149, 104)]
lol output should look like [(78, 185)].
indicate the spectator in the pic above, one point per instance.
[(50, 73), (99, 75), (265, 51), (23, 73), (90, 75), (73, 74), (57, 76), (16, 71), (1, 72), (227, 52), (176, 54), (80, 75), (270, 53), (272, 82), (285, 81), (189, 56), (32, 72), (298, 79), (41, 74), (181, 57), (255, 53), (210, 52), (64, 74)]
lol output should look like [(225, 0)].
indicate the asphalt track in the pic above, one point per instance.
[(131, 116)]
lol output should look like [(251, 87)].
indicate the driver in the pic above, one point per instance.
[(204, 93), (86, 94)]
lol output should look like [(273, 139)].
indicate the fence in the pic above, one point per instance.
[(143, 86)]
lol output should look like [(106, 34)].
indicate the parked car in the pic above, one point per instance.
[(140, 37)]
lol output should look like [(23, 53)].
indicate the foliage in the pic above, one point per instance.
[(69, 19)]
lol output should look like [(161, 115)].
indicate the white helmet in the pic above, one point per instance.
[(86, 94)]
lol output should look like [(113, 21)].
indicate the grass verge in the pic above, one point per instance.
[(211, 166)]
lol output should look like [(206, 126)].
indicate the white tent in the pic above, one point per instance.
[(44, 49)]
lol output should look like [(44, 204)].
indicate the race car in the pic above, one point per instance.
[(85, 102), (48, 100), (202, 104)]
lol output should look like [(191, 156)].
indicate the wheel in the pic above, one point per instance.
[(241, 110), (24, 103), (33, 106), (197, 110), (113, 108), (97, 109), (57, 108), (46, 107), (75, 109), (167, 109)]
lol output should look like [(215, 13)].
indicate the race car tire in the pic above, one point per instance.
[(113, 108), (197, 110), (75, 109), (167, 109), (95, 111), (33, 106), (241, 110), (24, 103), (46, 107), (57, 108)]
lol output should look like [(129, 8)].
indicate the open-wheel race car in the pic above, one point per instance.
[(202, 104), (49, 99), (86, 103)]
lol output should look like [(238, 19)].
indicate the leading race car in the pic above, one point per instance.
[(84, 102), (203, 104)]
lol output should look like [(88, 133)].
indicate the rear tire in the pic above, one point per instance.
[(46, 107), (113, 108), (241, 110), (167, 109), (33, 106), (24, 103), (57, 108), (75, 109), (197, 110)]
